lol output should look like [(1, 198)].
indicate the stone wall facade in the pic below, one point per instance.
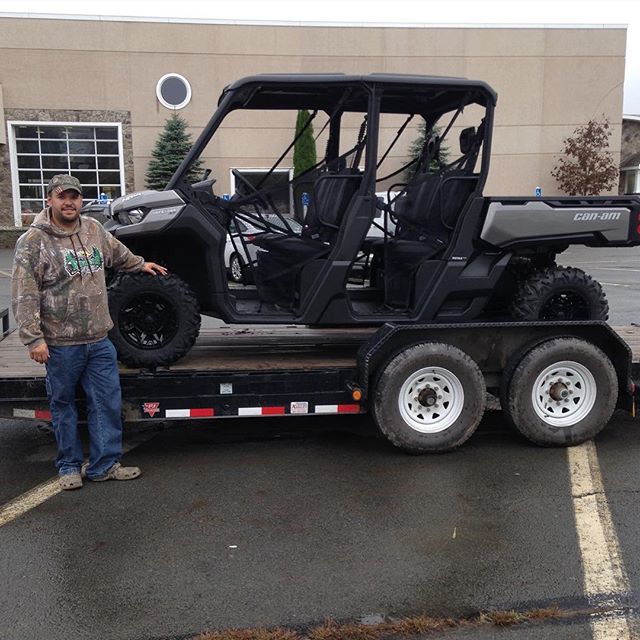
[(630, 140), (59, 115)]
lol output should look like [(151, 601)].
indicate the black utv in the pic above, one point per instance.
[(440, 251)]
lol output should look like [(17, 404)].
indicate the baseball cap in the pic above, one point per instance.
[(62, 182)]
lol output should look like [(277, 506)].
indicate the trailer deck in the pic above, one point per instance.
[(231, 371)]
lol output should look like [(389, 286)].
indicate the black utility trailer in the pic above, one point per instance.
[(426, 385)]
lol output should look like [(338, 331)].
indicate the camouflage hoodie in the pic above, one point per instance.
[(58, 291)]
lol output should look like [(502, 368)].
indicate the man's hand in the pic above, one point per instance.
[(153, 268), (40, 353)]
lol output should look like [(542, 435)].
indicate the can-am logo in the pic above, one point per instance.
[(598, 215)]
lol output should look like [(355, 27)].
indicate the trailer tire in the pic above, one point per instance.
[(562, 392), (422, 374), (559, 293), (156, 319)]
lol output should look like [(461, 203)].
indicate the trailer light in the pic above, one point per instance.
[(356, 394)]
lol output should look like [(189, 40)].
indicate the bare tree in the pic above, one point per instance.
[(587, 167)]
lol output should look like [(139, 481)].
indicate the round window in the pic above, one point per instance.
[(173, 91)]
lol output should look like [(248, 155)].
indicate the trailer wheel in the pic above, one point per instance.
[(562, 392), (560, 293), (430, 397), (156, 319)]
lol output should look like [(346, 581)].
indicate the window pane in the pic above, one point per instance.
[(47, 174), (31, 192), (31, 206), (106, 133), (28, 162), (55, 162), (82, 162), (112, 192), (85, 177), (81, 133), (27, 146), (89, 192), (29, 177), (109, 177), (81, 148), (53, 147), (108, 162), (53, 132), (25, 131), (108, 147)]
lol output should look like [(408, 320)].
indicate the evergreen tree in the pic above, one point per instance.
[(416, 149), (587, 167), (304, 151), (169, 151)]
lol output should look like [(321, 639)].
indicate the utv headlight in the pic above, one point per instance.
[(132, 216)]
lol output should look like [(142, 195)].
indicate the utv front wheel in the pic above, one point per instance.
[(156, 319), (430, 397), (560, 293)]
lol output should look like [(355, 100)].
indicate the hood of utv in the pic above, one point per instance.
[(145, 200)]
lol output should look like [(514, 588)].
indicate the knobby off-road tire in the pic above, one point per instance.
[(560, 293), (561, 393), (428, 398), (156, 319)]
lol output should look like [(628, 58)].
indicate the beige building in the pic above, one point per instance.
[(91, 95)]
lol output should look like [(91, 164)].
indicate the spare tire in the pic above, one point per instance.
[(561, 294), (156, 319)]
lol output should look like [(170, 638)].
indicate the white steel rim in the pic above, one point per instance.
[(431, 384), (564, 393)]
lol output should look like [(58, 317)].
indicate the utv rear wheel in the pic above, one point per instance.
[(156, 319), (430, 397), (560, 293), (562, 392)]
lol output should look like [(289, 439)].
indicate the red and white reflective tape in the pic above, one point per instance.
[(189, 413), (337, 408), (296, 408), (38, 414), (261, 411)]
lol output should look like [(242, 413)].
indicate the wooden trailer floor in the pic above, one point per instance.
[(249, 348)]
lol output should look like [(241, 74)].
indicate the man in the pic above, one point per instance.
[(59, 298)]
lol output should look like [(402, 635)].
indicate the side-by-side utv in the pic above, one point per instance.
[(440, 252)]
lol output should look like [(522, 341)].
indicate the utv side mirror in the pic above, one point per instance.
[(467, 138)]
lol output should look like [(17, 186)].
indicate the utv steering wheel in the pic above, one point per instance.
[(242, 180)]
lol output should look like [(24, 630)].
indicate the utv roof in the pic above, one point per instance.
[(309, 90)]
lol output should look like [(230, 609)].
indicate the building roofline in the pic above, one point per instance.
[(631, 117), (304, 23)]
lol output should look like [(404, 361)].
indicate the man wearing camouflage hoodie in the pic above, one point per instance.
[(59, 298)]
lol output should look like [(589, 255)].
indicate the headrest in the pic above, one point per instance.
[(467, 139)]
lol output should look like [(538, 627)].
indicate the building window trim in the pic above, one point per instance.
[(168, 105), (13, 154)]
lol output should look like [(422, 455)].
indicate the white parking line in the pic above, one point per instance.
[(36, 496), (615, 284), (29, 500), (605, 577), (617, 269)]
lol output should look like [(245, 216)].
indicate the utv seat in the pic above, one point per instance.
[(426, 214), (283, 256)]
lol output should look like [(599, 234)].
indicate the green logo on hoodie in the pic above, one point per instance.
[(83, 262)]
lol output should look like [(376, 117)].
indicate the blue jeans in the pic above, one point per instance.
[(95, 366)]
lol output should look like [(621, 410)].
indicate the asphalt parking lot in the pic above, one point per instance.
[(290, 522)]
